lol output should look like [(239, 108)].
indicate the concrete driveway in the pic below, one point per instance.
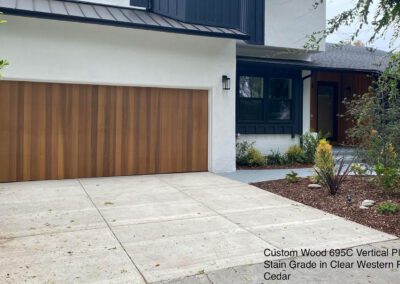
[(147, 229)]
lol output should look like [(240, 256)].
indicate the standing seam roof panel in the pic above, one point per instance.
[(73, 9), (89, 11), (58, 7), (103, 13), (42, 6), (110, 15), (117, 14)]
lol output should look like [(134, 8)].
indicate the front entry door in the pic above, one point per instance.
[(327, 110)]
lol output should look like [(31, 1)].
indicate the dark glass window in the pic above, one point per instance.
[(280, 99), (251, 87), (251, 98), (268, 100)]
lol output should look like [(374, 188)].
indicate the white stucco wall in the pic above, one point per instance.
[(288, 22), (268, 142), (55, 51)]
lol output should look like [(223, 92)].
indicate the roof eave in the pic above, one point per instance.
[(69, 18), (303, 65)]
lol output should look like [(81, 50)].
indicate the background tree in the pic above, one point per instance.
[(381, 15), (376, 114), (376, 118), (3, 62)]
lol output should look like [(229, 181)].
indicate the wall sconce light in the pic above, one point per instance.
[(226, 83)]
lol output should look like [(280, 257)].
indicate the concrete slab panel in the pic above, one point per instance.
[(122, 185), (74, 257), (169, 229), (45, 207), (193, 254), (197, 279), (278, 216), (255, 273), (45, 221), (237, 202), (336, 233), (183, 181), (154, 212)]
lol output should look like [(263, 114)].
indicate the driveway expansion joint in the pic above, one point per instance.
[(218, 213), (113, 233)]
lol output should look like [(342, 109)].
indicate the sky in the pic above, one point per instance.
[(334, 7)]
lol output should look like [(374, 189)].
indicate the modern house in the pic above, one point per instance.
[(109, 88)]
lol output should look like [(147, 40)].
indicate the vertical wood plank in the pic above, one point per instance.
[(26, 90), (13, 130), (119, 115), (5, 131)]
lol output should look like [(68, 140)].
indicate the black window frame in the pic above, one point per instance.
[(266, 125)]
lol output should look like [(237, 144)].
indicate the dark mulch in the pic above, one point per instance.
[(359, 189), (276, 167)]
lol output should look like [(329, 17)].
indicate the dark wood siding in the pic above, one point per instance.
[(57, 131), (348, 83)]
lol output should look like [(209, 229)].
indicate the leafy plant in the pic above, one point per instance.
[(388, 208), (242, 150), (388, 178), (276, 158), (309, 143), (330, 173), (292, 177), (324, 160), (334, 180), (376, 118), (3, 63), (256, 158), (248, 155), (385, 15), (295, 154), (358, 170)]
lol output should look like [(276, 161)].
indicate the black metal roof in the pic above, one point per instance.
[(334, 58), (110, 15)]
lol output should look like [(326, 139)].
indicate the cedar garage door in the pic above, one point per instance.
[(57, 131)]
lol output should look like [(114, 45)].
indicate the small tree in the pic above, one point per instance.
[(376, 117), (382, 17), (3, 63)]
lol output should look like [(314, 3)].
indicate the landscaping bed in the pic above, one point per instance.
[(276, 167), (359, 189)]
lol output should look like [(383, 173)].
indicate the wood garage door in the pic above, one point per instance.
[(57, 131)]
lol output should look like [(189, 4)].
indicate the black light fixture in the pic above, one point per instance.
[(226, 83)]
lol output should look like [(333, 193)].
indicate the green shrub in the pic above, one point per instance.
[(276, 158), (324, 160), (242, 150), (359, 170), (292, 177), (256, 158), (330, 173), (309, 143), (388, 208), (295, 155), (388, 178), (248, 155)]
